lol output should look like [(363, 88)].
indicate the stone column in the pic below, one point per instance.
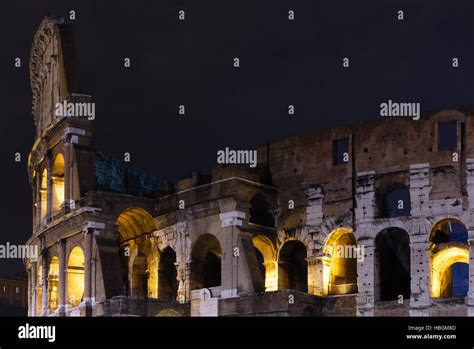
[(67, 175), (470, 292), (317, 264), (419, 189), (62, 278), (34, 281), (420, 274), (49, 192), (87, 269), (37, 222), (235, 272), (44, 291), (366, 279)]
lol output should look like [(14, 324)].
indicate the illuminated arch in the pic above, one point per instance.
[(264, 246), (132, 223), (443, 260), (139, 280), (340, 262), (57, 179), (206, 266), (448, 268), (53, 284), (75, 277), (43, 194)]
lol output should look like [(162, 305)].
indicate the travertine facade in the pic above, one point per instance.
[(306, 233)]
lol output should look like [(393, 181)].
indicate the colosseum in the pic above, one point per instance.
[(370, 219)]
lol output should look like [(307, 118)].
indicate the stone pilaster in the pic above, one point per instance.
[(62, 278), (366, 279), (420, 274), (365, 197), (419, 189), (44, 291)]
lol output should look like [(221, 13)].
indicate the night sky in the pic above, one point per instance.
[(281, 62)]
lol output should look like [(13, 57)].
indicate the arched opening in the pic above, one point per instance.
[(58, 183), (140, 276), (394, 201), (167, 282), (75, 277), (293, 267), (449, 259), (267, 262), (260, 211), (340, 264), (53, 284), (393, 259), (131, 224), (43, 194), (206, 266)]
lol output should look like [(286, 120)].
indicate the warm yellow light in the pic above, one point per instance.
[(75, 277), (53, 283), (58, 183), (339, 263), (265, 246), (443, 260)]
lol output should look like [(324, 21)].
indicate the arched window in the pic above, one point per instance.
[(260, 211), (75, 277), (293, 267), (394, 201), (206, 266), (58, 183), (393, 262), (44, 195)]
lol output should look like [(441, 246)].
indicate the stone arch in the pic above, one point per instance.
[(261, 211), (340, 262), (206, 266), (131, 224), (267, 258), (441, 262), (393, 200), (449, 259), (53, 284), (292, 266), (75, 276), (57, 182), (167, 282), (43, 194), (392, 253)]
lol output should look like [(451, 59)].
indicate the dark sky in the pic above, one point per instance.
[(190, 63)]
